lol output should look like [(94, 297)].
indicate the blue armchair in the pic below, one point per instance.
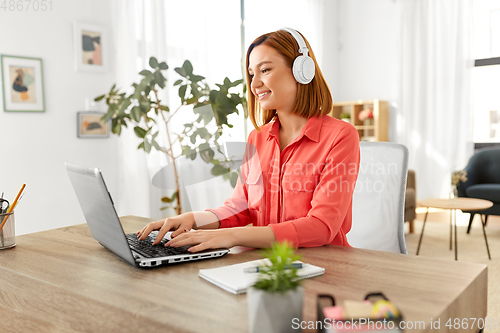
[(483, 181)]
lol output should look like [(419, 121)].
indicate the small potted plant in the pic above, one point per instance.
[(345, 116), (456, 178), (276, 299)]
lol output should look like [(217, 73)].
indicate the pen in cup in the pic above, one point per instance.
[(259, 268), (11, 207)]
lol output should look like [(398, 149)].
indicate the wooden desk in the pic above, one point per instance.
[(63, 281)]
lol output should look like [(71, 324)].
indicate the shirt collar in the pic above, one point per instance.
[(311, 129)]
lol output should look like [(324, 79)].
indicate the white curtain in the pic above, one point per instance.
[(139, 32), (434, 115), (207, 34)]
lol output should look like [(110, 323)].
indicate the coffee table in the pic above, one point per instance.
[(464, 204)]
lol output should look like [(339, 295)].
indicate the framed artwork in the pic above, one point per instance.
[(90, 125), (22, 81), (91, 47)]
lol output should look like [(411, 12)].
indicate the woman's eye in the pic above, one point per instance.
[(265, 70)]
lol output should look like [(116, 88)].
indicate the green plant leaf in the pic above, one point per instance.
[(234, 179), (196, 78), (188, 67), (153, 62), (166, 199), (180, 71), (147, 146), (163, 65), (218, 170), (141, 146), (160, 80), (140, 132), (145, 72), (178, 82), (98, 98), (206, 153), (135, 114), (155, 144), (145, 105), (182, 92)]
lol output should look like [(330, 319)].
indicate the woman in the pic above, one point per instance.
[(299, 169)]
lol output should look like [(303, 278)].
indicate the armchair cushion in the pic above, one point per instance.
[(489, 192)]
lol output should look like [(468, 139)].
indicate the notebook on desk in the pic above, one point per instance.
[(234, 279), (104, 224)]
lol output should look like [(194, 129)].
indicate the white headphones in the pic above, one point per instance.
[(303, 66)]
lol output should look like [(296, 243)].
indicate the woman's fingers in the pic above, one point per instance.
[(148, 228), (179, 231), (167, 225)]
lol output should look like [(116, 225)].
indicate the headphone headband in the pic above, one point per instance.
[(303, 67), (302, 44)]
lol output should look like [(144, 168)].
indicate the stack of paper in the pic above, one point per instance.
[(233, 278)]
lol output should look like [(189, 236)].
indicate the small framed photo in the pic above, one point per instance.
[(91, 126), (91, 47), (22, 81)]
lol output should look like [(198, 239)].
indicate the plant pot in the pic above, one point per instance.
[(274, 312), (347, 120)]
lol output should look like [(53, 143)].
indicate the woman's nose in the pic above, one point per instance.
[(256, 83)]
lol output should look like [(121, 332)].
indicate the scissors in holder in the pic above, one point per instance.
[(4, 205)]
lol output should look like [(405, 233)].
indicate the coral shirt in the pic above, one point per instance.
[(304, 193)]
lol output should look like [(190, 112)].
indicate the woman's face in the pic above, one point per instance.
[(273, 84)]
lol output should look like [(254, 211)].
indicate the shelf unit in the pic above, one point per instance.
[(374, 129)]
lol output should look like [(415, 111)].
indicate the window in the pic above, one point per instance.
[(486, 75)]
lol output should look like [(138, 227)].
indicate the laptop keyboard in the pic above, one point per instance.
[(145, 247)]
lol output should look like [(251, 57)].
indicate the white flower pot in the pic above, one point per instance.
[(274, 312)]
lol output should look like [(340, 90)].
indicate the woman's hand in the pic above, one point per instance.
[(179, 224), (258, 237), (204, 239)]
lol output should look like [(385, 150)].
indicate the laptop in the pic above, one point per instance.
[(104, 224)]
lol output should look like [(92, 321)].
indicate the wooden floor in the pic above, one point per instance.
[(471, 248)]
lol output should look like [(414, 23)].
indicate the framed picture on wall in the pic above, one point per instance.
[(91, 45), (22, 82), (91, 126)]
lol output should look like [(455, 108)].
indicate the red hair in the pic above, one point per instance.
[(313, 99)]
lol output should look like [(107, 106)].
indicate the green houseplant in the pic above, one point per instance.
[(345, 116), (277, 297), (143, 109)]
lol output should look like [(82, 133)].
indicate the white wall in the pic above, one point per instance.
[(34, 146), (368, 55)]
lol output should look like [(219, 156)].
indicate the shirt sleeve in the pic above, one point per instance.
[(235, 212), (330, 215)]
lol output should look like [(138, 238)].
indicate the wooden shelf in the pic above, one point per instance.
[(378, 130)]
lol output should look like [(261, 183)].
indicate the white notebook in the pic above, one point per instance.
[(232, 278)]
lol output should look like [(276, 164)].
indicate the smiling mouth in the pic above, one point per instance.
[(263, 94)]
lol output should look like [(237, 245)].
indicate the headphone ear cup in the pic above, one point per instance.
[(303, 69)]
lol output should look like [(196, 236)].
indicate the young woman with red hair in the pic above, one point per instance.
[(300, 166)]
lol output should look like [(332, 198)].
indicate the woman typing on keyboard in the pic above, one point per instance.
[(300, 165)]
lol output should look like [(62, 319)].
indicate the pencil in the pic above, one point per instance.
[(11, 208)]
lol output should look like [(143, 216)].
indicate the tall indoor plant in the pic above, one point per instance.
[(276, 299), (143, 108)]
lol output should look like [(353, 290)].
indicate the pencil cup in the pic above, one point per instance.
[(8, 232)]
